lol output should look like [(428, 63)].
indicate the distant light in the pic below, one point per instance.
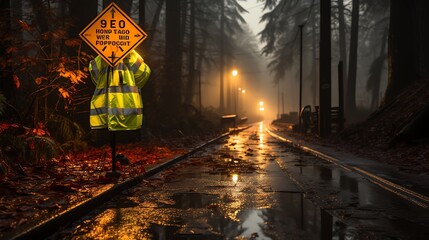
[(239, 89), (261, 103), (261, 109), (234, 72), (243, 91), (235, 178)]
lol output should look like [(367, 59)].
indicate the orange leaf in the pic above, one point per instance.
[(39, 132), (16, 81), (64, 93), (24, 25), (39, 80)]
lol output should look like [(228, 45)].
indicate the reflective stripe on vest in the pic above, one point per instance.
[(135, 67), (116, 111), (117, 89)]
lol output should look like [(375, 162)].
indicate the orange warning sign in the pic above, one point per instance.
[(113, 34)]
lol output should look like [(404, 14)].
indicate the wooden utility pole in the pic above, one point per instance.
[(300, 77)]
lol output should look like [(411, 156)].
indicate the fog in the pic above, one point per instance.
[(253, 76), (281, 95)]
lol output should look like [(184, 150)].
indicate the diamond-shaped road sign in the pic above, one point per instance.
[(113, 34)]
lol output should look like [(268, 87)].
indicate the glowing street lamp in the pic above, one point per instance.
[(261, 106)]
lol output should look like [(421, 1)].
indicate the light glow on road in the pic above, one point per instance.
[(235, 178)]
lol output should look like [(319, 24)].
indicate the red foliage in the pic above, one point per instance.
[(5, 126), (71, 178)]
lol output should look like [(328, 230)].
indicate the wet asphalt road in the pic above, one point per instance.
[(251, 186)]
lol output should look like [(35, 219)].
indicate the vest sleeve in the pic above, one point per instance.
[(140, 70)]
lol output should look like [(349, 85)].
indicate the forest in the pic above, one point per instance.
[(45, 86)]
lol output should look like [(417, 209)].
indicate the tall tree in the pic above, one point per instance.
[(7, 85), (172, 81), (142, 13), (191, 65), (325, 69), (350, 106), (205, 30), (125, 5), (407, 51), (314, 65), (280, 34), (154, 24), (79, 18), (375, 72), (342, 36)]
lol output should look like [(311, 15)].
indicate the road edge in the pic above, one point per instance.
[(403, 192), (49, 226)]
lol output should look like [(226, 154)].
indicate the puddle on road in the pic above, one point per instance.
[(356, 200), (294, 218), (259, 224), (239, 210), (193, 200)]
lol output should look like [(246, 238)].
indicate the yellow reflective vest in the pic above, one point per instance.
[(117, 104)]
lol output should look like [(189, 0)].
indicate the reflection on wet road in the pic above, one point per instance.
[(252, 187)]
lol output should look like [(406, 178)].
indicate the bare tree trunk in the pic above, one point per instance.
[(342, 36), (172, 84), (154, 24), (423, 38), (379, 62), (81, 17), (325, 69), (41, 12), (351, 83), (191, 65), (142, 13), (314, 65), (402, 55), (125, 5), (7, 86), (183, 19)]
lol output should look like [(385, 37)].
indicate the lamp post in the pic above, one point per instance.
[(199, 89), (234, 74), (241, 92)]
